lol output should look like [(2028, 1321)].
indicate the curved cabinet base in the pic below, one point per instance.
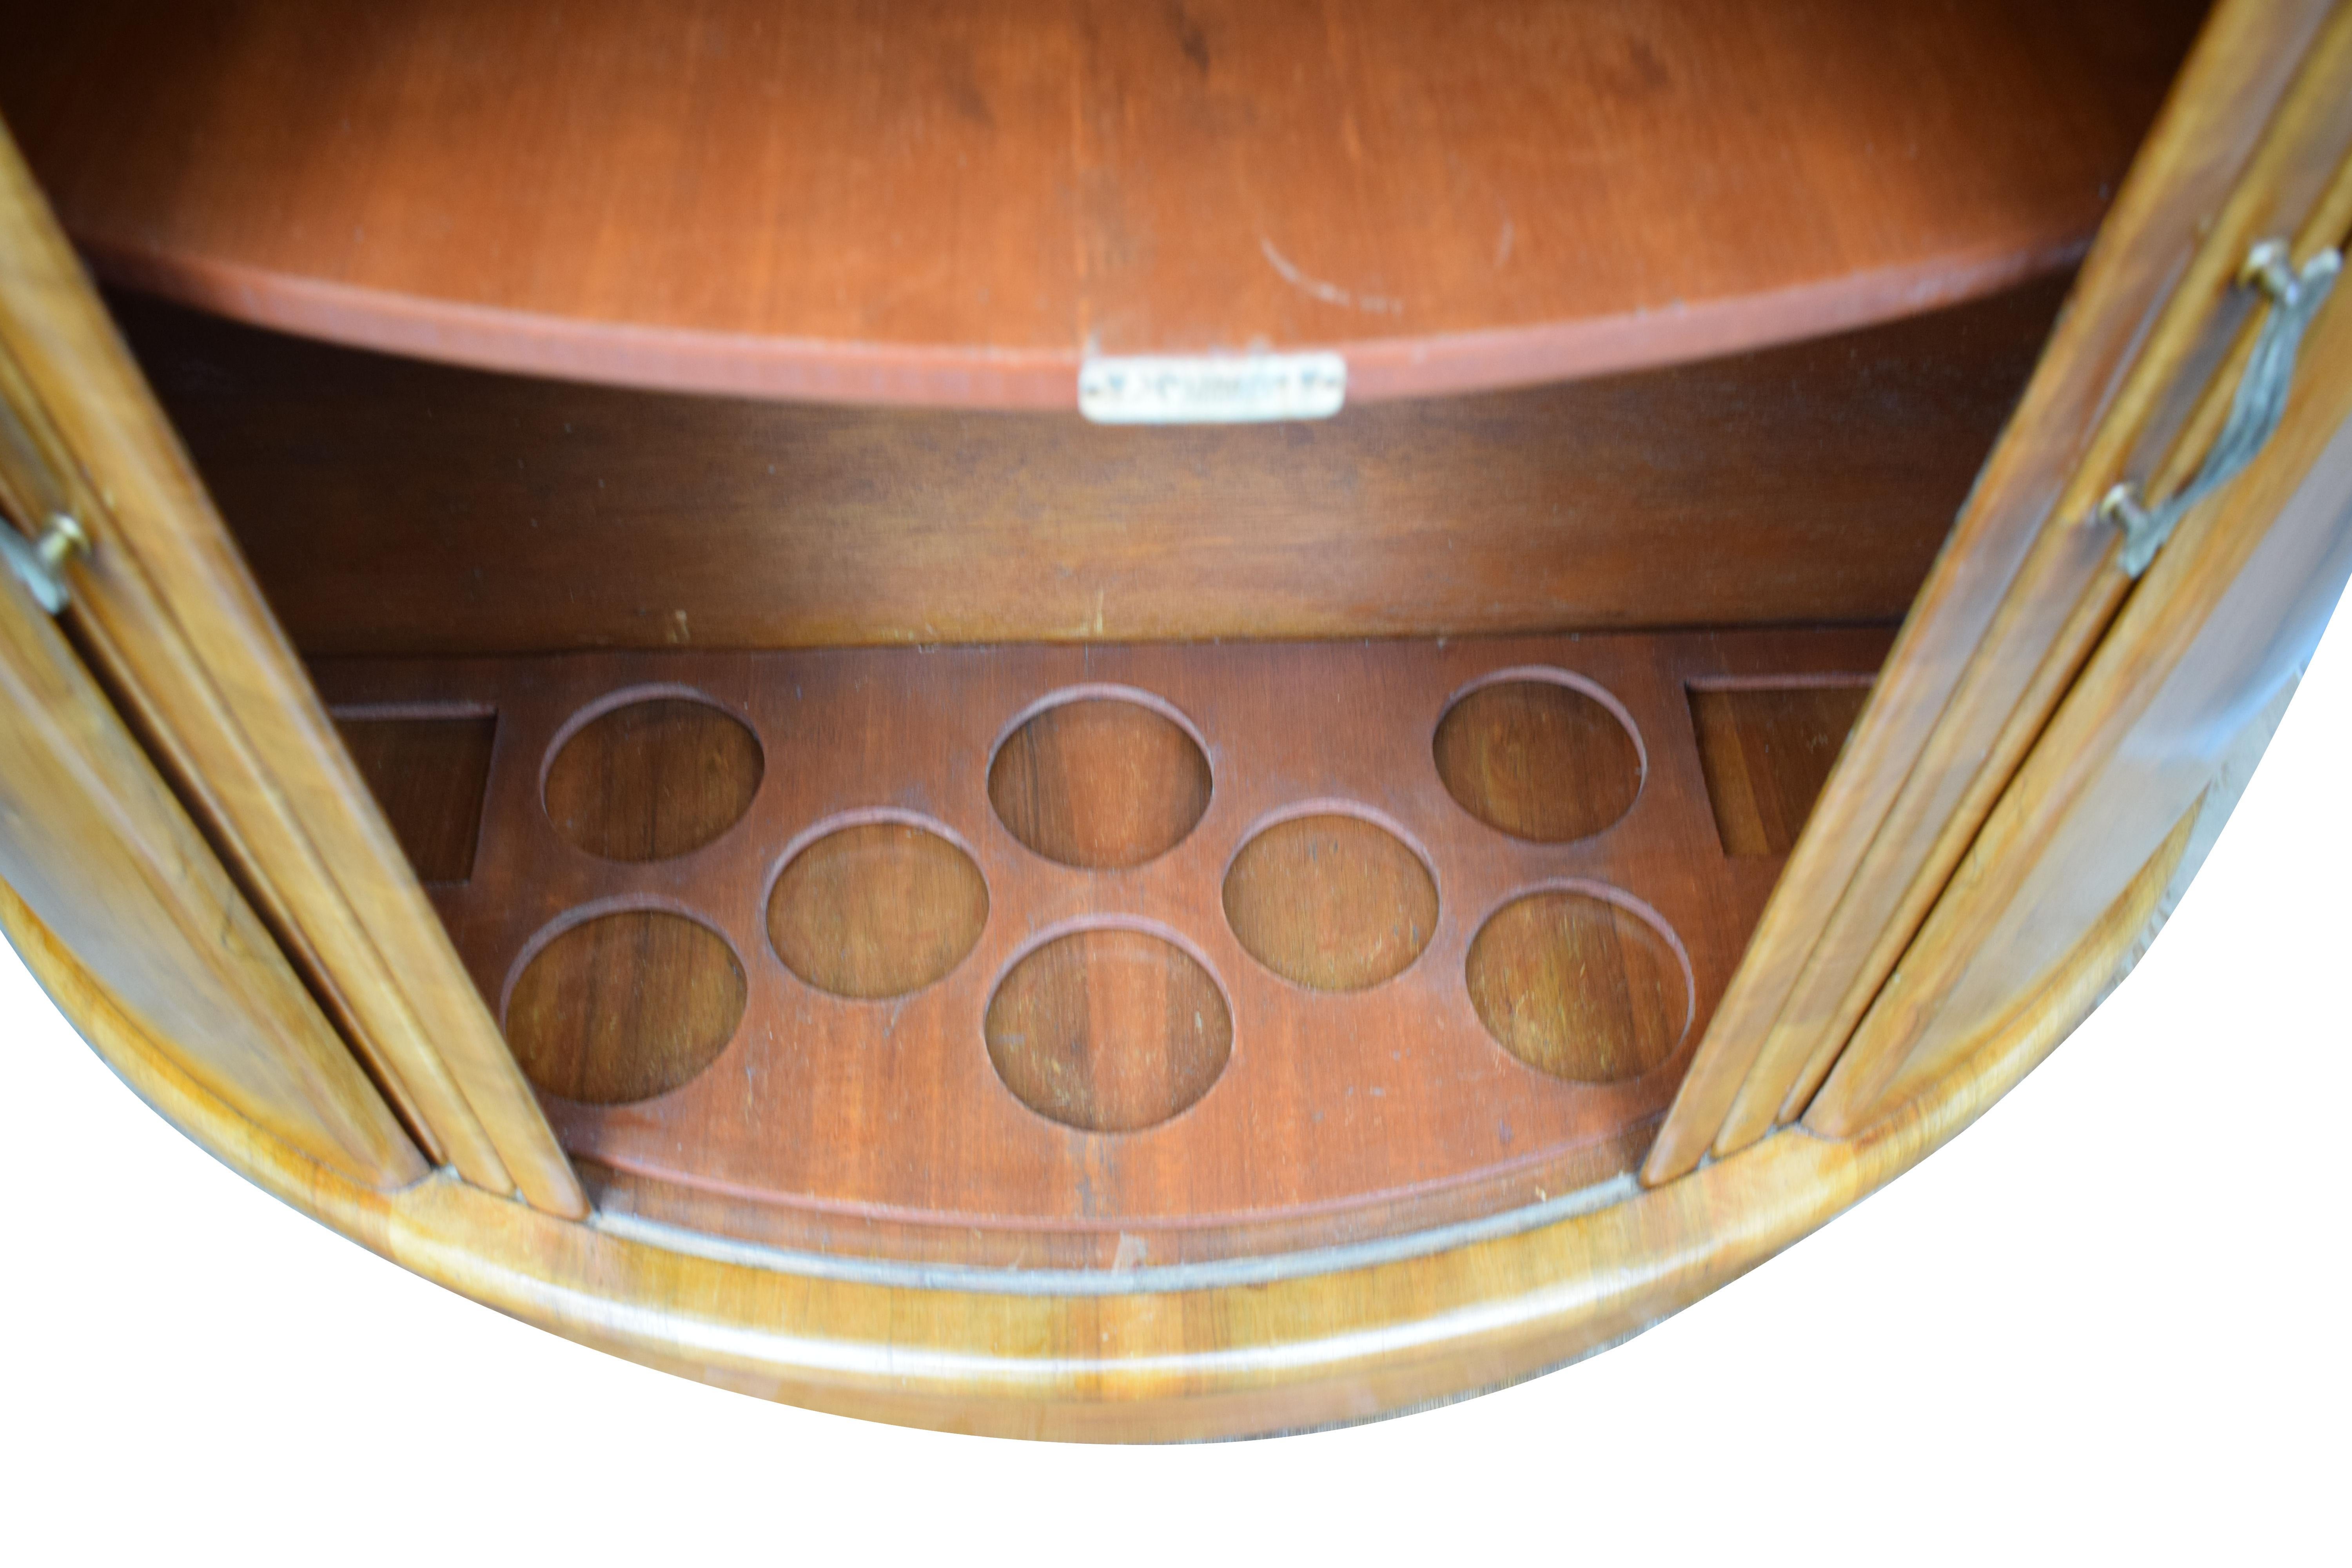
[(1317, 1350)]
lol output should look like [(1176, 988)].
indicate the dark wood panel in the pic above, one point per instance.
[(428, 775), (1269, 1032), (931, 202), (391, 507), (1767, 752)]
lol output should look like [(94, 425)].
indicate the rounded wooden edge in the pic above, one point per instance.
[(972, 376), (1419, 1331), (621, 697), (1098, 692), (581, 914), (1582, 685), (1332, 805)]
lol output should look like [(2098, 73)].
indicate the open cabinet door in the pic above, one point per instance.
[(2034, 769), (97, 856), (171, 622), (2134, 391)]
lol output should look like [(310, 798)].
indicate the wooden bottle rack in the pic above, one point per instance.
[(1096, 956)]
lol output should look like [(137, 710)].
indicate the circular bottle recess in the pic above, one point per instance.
[(625, 1006), (1578, 986), (1109, 1030), (653, 779), (1331, 901), (1099, 782), (1537, 760), (877, 910)]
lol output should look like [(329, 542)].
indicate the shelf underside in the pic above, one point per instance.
[(1075, 957), (952, 205)]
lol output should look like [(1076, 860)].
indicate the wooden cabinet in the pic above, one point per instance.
[(883, 867)]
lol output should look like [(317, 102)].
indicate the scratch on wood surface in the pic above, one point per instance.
[(1329, 293)]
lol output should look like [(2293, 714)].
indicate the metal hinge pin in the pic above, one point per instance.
[(39, 563)]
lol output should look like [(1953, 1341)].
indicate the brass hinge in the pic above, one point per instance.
[(39, 563)]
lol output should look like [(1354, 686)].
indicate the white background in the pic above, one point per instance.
[(2110, 1320)]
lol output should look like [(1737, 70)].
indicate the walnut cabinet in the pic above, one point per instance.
[(1122, 723)]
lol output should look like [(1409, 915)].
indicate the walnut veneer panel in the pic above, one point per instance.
[(394, 507), (947, 204), (1365, 1101)]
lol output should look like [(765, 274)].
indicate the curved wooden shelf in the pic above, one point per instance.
[(936, 206)]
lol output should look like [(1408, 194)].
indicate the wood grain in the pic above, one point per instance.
[(625, 1006), (1099, 782), (654, 778), (1109, 1030), (1339, 1345), (1578, 987), (877, 910), (2001, 627), (92, 841), (1808, 484), (1767, 752), (923, 204), (428, 776), (2069, 588), (171, 620), (1537, 760), (2226, 616), (1333, 902), (880, 1127)]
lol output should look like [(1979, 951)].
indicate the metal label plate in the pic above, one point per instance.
[(1212, 389)]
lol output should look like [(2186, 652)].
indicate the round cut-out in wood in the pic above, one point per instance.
[(653, 779), (1100, 784), (1578, 986), (1331, 901), (877, 909), (625, 1006), (1109, 1030), (1538, 760)]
